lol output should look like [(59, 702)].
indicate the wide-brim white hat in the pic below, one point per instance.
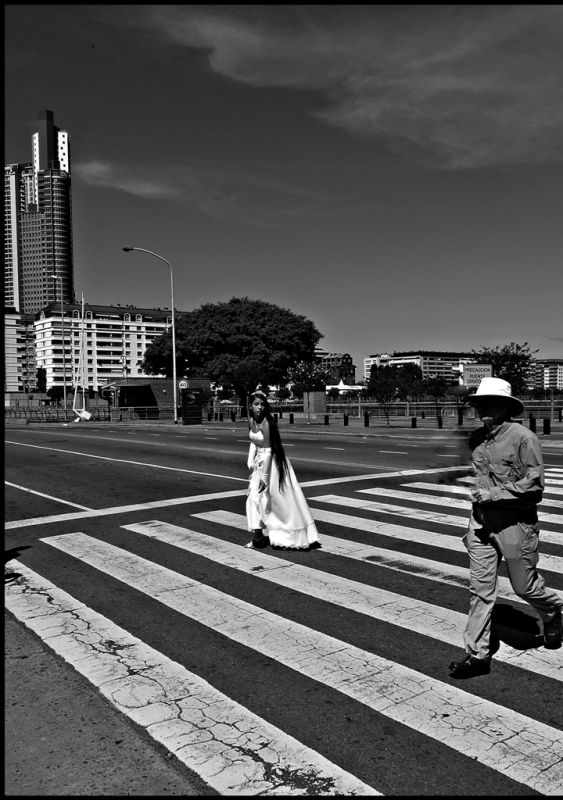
[(500, 390)]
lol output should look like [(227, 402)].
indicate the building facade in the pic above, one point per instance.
[(433, 364), (551, 373), (339, 365), (113, 340), (38, 257), (20, 369)]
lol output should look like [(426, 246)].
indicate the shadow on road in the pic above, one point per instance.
[(515, 628), (13, 552)]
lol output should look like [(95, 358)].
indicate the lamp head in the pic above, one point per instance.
[(127, 249)]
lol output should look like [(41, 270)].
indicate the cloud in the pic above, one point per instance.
[(223, 193), (454, 86), (106, 175)]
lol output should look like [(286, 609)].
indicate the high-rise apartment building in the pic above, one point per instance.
[(38, 262)]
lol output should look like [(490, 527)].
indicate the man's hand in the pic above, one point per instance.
[(481, 496)]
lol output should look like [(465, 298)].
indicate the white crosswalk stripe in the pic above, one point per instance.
[(238, 751), (446, 489), (462, 505), (379, 556), (525, 750), (425, 618), (207, 731)]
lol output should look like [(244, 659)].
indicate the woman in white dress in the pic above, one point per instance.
[(276, 509)]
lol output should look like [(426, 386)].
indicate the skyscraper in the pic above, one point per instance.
[(38, 223)]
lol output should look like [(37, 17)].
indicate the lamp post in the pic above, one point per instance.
[(150, 252), (59, 278)]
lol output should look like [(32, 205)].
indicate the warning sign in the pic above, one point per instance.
[(472, 373)]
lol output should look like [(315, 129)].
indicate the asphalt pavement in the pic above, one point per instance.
[(63, 738)]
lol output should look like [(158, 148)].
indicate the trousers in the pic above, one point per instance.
[(518, 543)]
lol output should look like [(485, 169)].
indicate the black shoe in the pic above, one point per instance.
[(469, 667), (553, 632), (259, 541)]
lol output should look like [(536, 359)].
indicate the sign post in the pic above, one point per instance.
[(472, 373)]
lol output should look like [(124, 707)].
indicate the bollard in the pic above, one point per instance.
[(532, 423), (423, 415), (209, 416), (220, 416), (366, 419), (233, 416), (561, 415), (413, 422), (547, 426), (216, 416), (459, 417), (291, 419), (440, 421), (326, 419), (345, 420)]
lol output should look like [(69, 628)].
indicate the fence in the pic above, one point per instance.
[(48, 414), (539, 409)]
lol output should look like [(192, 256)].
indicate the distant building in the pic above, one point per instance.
[(115, 340), (546, 373), (38, 223), (434, 364), (339, 365), (20, 371)]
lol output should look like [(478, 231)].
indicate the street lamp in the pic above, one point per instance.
[(150, 252), (60, 278)]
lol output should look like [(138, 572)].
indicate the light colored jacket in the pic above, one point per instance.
[(508, 462)]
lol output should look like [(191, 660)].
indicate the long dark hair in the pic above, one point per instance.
[(278, 452)]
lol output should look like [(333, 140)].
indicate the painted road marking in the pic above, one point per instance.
[(428, 499), (504, 740), (132, 463), (47, 496), (438, 623), (100, 512), (233, 750), (462, 490), (378, 556)]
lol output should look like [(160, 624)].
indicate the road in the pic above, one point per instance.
[(322, 672)]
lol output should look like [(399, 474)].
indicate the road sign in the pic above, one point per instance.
[(472, 373), (182, 385)]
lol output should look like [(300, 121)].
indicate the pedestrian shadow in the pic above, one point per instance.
[(13, 552), (515, 628)]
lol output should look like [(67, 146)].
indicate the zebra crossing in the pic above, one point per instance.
[(356, 635)]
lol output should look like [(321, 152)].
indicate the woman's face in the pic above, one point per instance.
[(258, 408)]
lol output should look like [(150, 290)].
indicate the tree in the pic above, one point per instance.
[(307, 377), (409, 382), (42, 380), (436, 388), (510, 362), (242, 342), (382, 385), (56, 394)]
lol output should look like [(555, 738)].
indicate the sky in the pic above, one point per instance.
[(394, 173)]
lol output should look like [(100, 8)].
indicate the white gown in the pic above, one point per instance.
[(284, 514)]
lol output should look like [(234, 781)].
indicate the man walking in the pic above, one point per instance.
[(509, 482)]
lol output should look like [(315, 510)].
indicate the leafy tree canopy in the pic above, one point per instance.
[(308, 376), (383, 383), (41, 379), (509, 362), (241, 342), (409, 381)]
